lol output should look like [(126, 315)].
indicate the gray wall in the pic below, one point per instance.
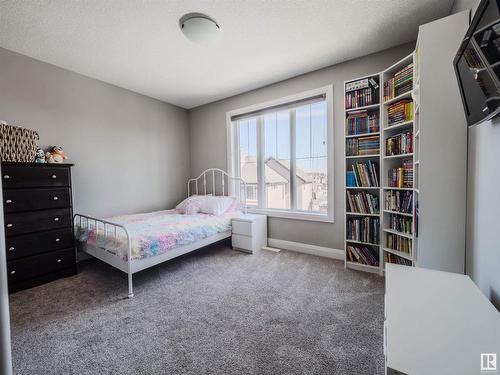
[(483, 202), (130, 151), (207, 127)]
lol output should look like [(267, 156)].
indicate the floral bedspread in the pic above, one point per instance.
[(154, 233)]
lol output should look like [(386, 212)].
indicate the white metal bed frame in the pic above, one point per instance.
[(104, 228)]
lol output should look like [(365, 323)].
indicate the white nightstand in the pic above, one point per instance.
[(249, 232)]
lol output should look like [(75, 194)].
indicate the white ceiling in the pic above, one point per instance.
[(138, 45)]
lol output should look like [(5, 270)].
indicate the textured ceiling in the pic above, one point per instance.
[(138, 44)]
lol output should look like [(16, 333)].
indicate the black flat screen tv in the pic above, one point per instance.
[(477, 64)]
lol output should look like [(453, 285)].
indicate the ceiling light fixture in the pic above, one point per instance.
[(199, 28)]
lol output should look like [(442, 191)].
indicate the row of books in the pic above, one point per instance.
[(363, 229), (362, 202), (401, 82), (399, 144), (361, 122), (401, 111), (398, 200), (395, 242), (360, 98), (363, 254), (401, 176), (369, 145), (363, 175), (400, 223), (391, 258)]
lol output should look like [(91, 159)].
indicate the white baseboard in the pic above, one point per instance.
[(321, 251)]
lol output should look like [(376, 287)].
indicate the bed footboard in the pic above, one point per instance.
[(105, 230)]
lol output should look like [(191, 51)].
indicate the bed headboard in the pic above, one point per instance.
[(215, 181)]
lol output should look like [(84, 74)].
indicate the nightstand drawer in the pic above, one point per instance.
[(243, 242), (242, 227)]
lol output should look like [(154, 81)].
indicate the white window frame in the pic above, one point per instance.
[(232, 148)]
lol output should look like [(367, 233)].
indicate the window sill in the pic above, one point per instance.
[(303, 216)]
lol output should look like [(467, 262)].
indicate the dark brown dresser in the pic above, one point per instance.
[(38, 223)]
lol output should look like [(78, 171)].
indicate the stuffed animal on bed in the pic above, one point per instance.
[(39, 156), (55, 155)]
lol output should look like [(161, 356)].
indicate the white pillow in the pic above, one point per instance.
[(190, 205), (215, 205)]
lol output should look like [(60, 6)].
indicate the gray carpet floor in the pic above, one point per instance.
[(215, 311)]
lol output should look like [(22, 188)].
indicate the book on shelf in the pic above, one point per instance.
[(359, 98), (401, 176), (399, 112), (365, 175), (399, 201), (399, 144), (350, 180), (363, 255), (391, 258), (402, 224), (363, 229), (399, 243), (362, 122), (399, 84), (368, 145), (362, 202)]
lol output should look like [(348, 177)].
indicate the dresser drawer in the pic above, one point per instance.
[(242, 227), (36, 199), (26, 268), (34, 176), (39, 242), (26, 222)]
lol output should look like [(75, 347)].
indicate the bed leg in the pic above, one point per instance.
[(130, 290)]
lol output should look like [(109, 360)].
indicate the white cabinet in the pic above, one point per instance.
[(249, 232)]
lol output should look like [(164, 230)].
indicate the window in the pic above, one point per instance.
[(283, 151)]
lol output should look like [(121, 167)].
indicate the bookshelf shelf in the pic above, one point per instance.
[(399, 253), (398, 233), (362, 187), (362, 243), (362, 122), (362, 135), (360, 214), (363, 156), (405, 95), (400, 126), (362, 267), (371, 106), (397, 188), (398, 213), (398, 156)]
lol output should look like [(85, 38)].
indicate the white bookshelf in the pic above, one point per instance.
[(349, 160), (438, 157), (396, 161)]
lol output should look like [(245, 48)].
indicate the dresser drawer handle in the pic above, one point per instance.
[(10, 225), (56, 219), (59, 261), (13, 272), (55, 198), (11, 248), (6, 176), (8, 201), (53, 176), (58, 239)]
